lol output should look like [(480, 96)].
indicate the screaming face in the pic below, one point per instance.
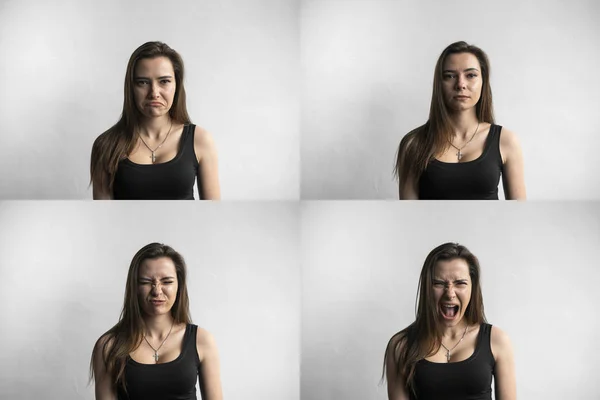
[(452, 290)]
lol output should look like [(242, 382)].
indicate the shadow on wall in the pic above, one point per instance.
[(76, 347)]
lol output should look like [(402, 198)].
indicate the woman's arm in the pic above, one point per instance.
[(210, 369), (100, 192), (104, 388), (396, 386), (505, 385), (407, 189), (208, 169), (513, 178)]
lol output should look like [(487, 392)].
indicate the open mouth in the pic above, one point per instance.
[(449, 311)]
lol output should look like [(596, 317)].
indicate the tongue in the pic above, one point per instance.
[(450, 311)]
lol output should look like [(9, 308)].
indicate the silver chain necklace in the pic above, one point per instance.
[(156, 350), (448, 351), (459, 153), (163, 142)]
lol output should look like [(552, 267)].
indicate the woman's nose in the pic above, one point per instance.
[(154, 91)]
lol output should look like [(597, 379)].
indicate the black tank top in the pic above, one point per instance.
[(472, 180), (172, 180), (470, 379), (175, 380)]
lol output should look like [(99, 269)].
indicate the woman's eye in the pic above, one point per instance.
[(165, 81)]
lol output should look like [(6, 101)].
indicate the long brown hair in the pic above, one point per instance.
[(423, 337), (420, 145), (118, 141), (127, 334)]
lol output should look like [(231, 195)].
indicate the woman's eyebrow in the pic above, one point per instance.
[(466, 70), (160, 77)]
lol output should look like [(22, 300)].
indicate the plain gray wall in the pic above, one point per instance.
[(368, 76), (62, 71), (360, 270), (63, 268)]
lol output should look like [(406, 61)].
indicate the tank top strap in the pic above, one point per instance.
[(190, 342), (484, 346), (492, 138), (187, 144)]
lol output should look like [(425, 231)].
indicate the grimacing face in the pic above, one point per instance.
[(154, 86), (461, 81), (451, 290), (157, 286)]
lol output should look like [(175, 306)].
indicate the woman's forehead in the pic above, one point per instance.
[(159, 66), (461, 61), (451, 269), (158, 267)]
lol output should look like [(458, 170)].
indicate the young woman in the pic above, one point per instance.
[(450, 351), (154, 351), (154, 151), (460, 153)]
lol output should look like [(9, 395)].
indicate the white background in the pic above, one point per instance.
[(63, 269), (368, 76), (360, 271), (62, 71)]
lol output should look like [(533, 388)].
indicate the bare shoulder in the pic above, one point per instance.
[(408, 139), (508, 138), (100, 139), (205, 339), (500, 342), (395, 345), (101, 348), (104, 342), (203, 139)]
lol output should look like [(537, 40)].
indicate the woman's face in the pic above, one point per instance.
[(157, 286), (154, 86), (452, 290), (461, 81)]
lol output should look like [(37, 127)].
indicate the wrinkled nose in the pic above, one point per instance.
[(155, 289)]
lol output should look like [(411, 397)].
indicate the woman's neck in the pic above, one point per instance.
[(454, 332), (155, 128), (158, 326), (464, 123)]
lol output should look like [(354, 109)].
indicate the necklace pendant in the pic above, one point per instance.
[(153, 158), (448, 356), (459, 155), (155, 356)]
